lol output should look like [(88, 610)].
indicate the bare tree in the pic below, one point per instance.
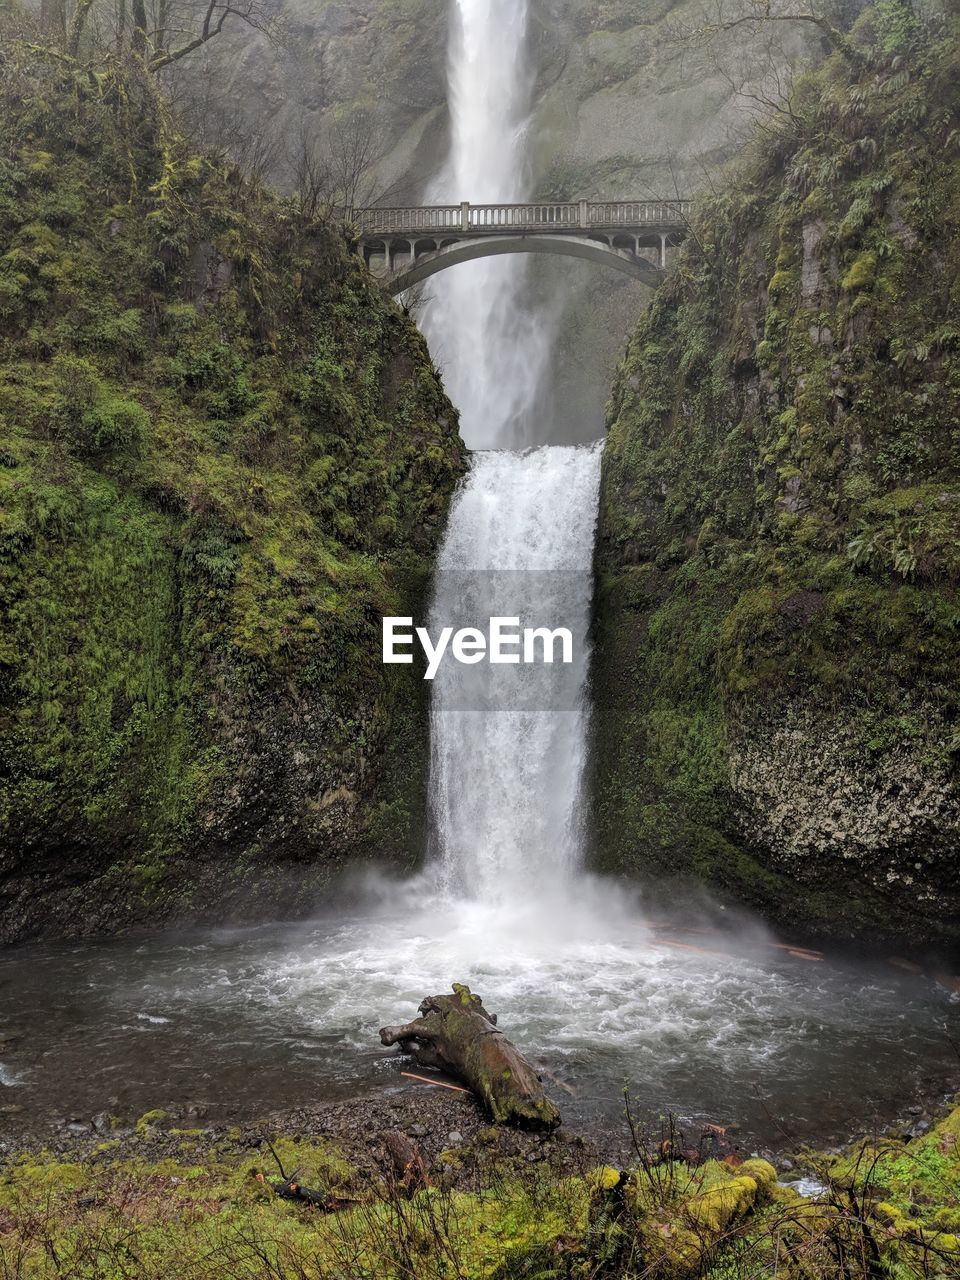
[(162, 32), (416, 299), (352, 147), (333, 162), (721, 16), (311, 171), (216, 123), (764, 88), (257, 15)]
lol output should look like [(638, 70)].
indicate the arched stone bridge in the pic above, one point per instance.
[(404, 246)]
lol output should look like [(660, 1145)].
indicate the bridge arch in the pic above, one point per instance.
[(452, 253)]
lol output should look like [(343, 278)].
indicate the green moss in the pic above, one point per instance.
[(785, 532), (862, 273), (224, 454), (213, 1212), (150, 1118)]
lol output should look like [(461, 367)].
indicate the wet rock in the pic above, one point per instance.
[(810, 276), (801, 608), (338, 20), (792, 499)]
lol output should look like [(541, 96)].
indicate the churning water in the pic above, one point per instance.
[(711, 1028)]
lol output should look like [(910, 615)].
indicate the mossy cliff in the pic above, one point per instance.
[(778, 610), (223, 455)]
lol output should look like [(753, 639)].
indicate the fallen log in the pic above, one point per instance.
[(456, 1034), (289, 1188)]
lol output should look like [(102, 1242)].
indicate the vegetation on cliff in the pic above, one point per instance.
[(223, 454), (779, 617)]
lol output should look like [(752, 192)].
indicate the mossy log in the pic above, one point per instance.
[(456, 1034)]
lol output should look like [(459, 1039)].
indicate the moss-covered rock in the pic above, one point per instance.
[(223, 455), (779, 548)]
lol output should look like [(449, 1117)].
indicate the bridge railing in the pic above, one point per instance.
[(441, 217), (465, 218), (633, 213), (494, 217)]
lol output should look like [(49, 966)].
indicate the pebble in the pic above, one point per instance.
[(455, 1137)]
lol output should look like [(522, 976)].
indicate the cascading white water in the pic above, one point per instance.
[(508, 743), (492, 352)]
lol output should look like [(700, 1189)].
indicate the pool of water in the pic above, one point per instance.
[(724, 1026)]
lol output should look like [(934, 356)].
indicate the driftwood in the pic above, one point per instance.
[(290, 1189), (456, 1034), (408, 1166)]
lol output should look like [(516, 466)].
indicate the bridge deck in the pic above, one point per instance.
[(490, 219)]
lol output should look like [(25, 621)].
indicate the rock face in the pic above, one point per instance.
[(223, 456), (777, 657)]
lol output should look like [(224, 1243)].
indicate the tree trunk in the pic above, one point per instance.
[(408, 1167), (456, 1034), (139, 40)]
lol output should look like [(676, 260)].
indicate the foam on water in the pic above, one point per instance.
[(724, 1027)]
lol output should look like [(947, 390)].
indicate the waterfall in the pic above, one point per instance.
[(508, 743), (492, 351)]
